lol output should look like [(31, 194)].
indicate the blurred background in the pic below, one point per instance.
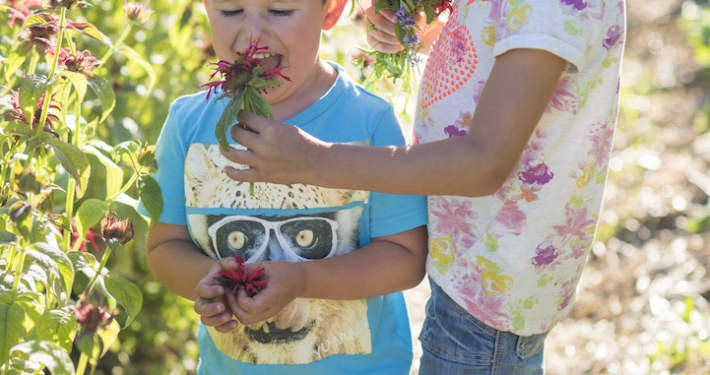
[(643, 303)]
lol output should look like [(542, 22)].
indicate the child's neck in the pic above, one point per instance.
[(321, 79)]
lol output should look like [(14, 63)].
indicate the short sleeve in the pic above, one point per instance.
[(562, 27), (170, 160), (391, 213)]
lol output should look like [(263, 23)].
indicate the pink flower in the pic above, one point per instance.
[(455, 218), (577, 222), (238, 279), (562, 99), (512, 217), (83, 62), (17, 115), (245, 71)]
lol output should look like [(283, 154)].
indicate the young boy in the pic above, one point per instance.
[(331, 255)]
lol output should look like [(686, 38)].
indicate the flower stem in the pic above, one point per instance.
[(69, 208), (118, 43), (81, 367), (127, 185), (55, 60), (107, 252), (71, 45)]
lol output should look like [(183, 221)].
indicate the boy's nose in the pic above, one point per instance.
[(252, 31)]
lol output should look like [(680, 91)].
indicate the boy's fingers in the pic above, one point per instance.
[(223, 323), (246, 138), (209, 290), (238, 156), (207, 309)]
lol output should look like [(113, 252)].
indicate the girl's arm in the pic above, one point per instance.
[(514, 98), (386, 265)]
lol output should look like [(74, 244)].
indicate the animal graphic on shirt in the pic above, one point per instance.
[(288, 223)]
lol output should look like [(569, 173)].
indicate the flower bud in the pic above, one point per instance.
[(116, 231), (135, 11), (145, 155)]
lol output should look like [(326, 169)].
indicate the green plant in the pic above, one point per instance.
[(48, 142)]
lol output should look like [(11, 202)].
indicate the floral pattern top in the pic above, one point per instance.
[(514, 259)]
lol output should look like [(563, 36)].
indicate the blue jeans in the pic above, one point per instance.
[(454, 342)]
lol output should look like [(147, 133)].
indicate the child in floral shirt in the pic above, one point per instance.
[(515, 119)]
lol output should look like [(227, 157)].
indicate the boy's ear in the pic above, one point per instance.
[(334, 9)]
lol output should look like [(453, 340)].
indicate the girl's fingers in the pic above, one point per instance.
[(223, 323), (380, 46)]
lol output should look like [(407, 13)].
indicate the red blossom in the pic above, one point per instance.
[(83, 61), (245, 71), (238, 279), (91, 317), (21, 10), (91, 236)]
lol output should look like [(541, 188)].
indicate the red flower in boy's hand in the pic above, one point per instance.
[(238, 279)]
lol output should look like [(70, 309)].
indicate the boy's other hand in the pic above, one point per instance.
[(287, 281), (277, 153), (211, 304)]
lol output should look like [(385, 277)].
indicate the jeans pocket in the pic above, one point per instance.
[(453, 334), (529, 346)]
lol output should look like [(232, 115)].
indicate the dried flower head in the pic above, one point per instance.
[(17, 115), (116, 231), (68, 4), (90, 317), (246, 71), (237, 279), (136, 11), (83, 62)]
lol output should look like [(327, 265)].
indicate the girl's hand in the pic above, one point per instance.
[(277, 153), (287, 281), (383, 38), (211, 304)]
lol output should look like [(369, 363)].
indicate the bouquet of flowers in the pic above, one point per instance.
[(400, 65), (243, 81)]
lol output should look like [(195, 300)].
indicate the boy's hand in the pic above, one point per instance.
[(211, 304), (287, 281)]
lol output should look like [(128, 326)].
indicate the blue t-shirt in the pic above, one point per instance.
[(291, 223)]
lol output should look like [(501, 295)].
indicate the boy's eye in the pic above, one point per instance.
[(281, 13), (230, 13)]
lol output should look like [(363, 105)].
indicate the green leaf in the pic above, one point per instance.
[(33, 305), (39, 20), (51, 354), (73, 160), (14, 62), (138, 59), (126, 293), (7, 237), (79, 82), (32, 87), (258, 105), (114, 173), (151, 196), (62, 261), (126, 152), (90, 213), (227, 119), (104, 91), (47, 264), (12, 329), (57, 326), (88, 30), (108, 335), (81, 261)]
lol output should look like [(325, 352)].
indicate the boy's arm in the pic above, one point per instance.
[(181, 267), (388, 264), (513, 100)]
